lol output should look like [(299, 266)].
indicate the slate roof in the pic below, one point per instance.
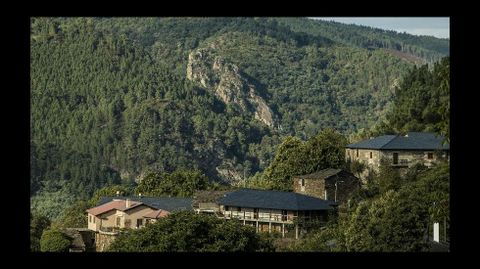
[(322, 174), (274, 200), (207, 197), (412, 141), (170, 204)]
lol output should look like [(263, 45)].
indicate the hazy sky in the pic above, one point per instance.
[(432, 26)]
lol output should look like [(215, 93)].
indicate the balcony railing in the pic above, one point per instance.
[(111, 230), (259, 216)]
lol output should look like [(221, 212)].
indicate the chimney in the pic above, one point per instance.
[(127, 203)]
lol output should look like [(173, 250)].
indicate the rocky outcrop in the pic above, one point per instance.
[(227, 171), (224, 79)]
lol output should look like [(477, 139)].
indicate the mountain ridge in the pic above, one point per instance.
[(111, 98)]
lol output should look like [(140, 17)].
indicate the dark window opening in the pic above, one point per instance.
[(139, 222), (395, 158), (357, 152), (430, 155), (303, 182), (371, 155)]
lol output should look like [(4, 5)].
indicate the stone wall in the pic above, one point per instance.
[(372, 158), (103, 240), (325, 188), (312, 187)]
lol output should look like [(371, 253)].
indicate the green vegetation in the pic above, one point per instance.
[(295, 157), (390, 220), (180, 183), (38, 224), (54, 240), (190, 232), (422, 102), (109, 191), (429, 48), (72, 217), (110, 100)]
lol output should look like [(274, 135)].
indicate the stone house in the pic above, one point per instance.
[(400, 151), (274, 211), (328, 184)]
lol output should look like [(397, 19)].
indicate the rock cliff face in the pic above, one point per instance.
[(224, 79)]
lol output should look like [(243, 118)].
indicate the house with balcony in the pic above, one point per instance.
[(400, 151), (274, 211), (112, 214), (115, 213)]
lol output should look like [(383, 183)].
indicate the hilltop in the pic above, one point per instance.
[(113, 98)]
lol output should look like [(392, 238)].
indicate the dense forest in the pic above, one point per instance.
[(111, 101)]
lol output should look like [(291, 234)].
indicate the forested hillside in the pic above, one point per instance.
[(111, 98)]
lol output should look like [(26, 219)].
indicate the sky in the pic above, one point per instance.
[(432, 26)]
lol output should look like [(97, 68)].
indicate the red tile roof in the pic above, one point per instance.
[(157, 214), (115, 204)]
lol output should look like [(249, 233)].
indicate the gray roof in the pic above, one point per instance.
[(166, 203), (274, 200), (322, 174), (412, 141)]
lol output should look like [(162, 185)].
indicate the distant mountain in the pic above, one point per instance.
[(112, 98)]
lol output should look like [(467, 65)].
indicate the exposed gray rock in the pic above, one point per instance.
[(224, 79)]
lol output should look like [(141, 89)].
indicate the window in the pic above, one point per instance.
[(430, 155), (357, 152), (395, 158), (371, 155), (89, 218), (118, 221), (139, 222), (303, 182), (239, 209), (93, 219), (226, 208)]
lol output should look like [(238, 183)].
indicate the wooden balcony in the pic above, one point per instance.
[(263, 217)]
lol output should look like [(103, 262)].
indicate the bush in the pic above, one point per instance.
[(38, 223), (54, 241), (187, 231)]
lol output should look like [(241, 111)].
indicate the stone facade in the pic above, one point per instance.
[(103, 240), (322, 185), (398, 158)]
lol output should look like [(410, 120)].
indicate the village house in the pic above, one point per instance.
[(327, 184), (115, 213), (400, 151), (268, 211)]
